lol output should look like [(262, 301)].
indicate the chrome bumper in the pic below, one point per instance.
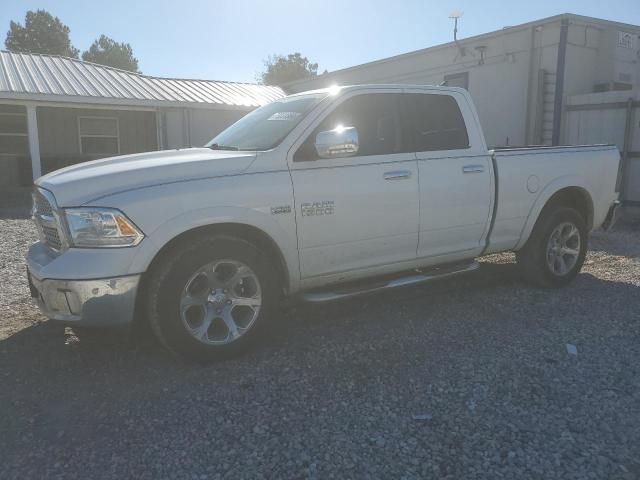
[(101, 302)]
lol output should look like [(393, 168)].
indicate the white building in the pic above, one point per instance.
[(520, 77)]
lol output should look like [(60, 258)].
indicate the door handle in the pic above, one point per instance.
[(473, 169), (397, 175)]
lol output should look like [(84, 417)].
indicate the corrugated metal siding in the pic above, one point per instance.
[(601, 118), (30, 74)]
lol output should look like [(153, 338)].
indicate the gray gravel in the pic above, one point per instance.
[(334, 391)]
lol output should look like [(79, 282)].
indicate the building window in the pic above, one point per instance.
[(13, 133), (99, 135)]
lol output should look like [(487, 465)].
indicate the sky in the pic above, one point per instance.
[(230, 40)]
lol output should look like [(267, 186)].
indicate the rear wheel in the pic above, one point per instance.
[(556, 249), (209, 298)]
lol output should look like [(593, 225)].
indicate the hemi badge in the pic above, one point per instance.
[(279, 210)]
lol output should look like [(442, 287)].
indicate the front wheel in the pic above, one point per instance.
[(556, 249), (209, 298)]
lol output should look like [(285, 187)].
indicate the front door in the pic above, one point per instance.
[(358, 213)]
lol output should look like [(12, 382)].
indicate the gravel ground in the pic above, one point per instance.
[(334, 391)]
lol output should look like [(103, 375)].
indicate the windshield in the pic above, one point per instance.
[(266, 127)]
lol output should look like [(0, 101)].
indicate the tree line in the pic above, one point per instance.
[(45, 34)]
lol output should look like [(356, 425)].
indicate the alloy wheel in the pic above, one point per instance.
[(563, 248), (220, 302)]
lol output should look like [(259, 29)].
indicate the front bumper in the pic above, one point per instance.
[(99, 302)]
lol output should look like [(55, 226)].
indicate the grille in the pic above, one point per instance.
[(42, 205), (51, 237), (46, 221)]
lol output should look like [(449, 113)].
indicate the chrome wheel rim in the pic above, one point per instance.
[(563, 248), (220, 302)]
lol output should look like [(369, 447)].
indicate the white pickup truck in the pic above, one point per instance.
[(321, 195)]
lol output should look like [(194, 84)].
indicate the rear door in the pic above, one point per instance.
[(456, 184), (361, 212)]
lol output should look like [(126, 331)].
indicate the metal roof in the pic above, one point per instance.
[(55, 78)]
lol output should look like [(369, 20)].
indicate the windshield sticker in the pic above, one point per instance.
[(286, 116)]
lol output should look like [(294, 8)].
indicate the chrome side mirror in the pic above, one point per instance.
[(337, 143)]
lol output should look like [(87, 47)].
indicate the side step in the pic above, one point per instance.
[(353, 289)]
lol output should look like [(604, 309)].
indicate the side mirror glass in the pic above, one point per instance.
[(337, 143)]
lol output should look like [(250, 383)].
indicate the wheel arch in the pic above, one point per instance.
[(569, 192), (277, 237), (244, 231), (250, 233), (574, 197)]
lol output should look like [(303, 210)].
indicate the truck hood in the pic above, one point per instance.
[(84, 182)]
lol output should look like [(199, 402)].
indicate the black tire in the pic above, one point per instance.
[(170, 276), (532, 258)]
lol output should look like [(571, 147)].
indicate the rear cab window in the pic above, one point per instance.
[(431, 122)]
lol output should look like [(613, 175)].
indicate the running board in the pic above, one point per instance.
[(417, 276)]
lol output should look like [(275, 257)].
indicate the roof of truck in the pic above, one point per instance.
[(334, 89)]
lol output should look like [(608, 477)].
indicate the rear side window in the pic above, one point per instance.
[(432, 122), (375, 115)]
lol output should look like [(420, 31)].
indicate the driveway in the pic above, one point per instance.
[(475, 377)]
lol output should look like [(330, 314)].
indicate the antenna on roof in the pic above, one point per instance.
[(455, 15)]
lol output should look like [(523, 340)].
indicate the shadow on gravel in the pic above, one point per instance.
[(50, 349), (482, 341), (94, 347), (622, 242)]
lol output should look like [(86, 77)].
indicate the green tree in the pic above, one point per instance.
[(41, 33), (107, 51), (280, 69)]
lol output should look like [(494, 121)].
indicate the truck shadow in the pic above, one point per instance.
[(54, 379), (48, 346)]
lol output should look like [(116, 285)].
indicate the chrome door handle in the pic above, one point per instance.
[(397, 175), (473, 169)]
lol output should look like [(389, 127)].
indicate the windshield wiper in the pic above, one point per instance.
[(215, 146)]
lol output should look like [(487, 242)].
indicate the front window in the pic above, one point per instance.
[(375, 117), (266, 127)]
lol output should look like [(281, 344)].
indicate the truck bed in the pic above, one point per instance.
[(526, 177), (512, 148)]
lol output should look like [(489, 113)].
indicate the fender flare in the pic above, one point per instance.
[(184, 222), (567, 181)]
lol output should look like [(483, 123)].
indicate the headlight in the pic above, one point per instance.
[(101, 227)]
